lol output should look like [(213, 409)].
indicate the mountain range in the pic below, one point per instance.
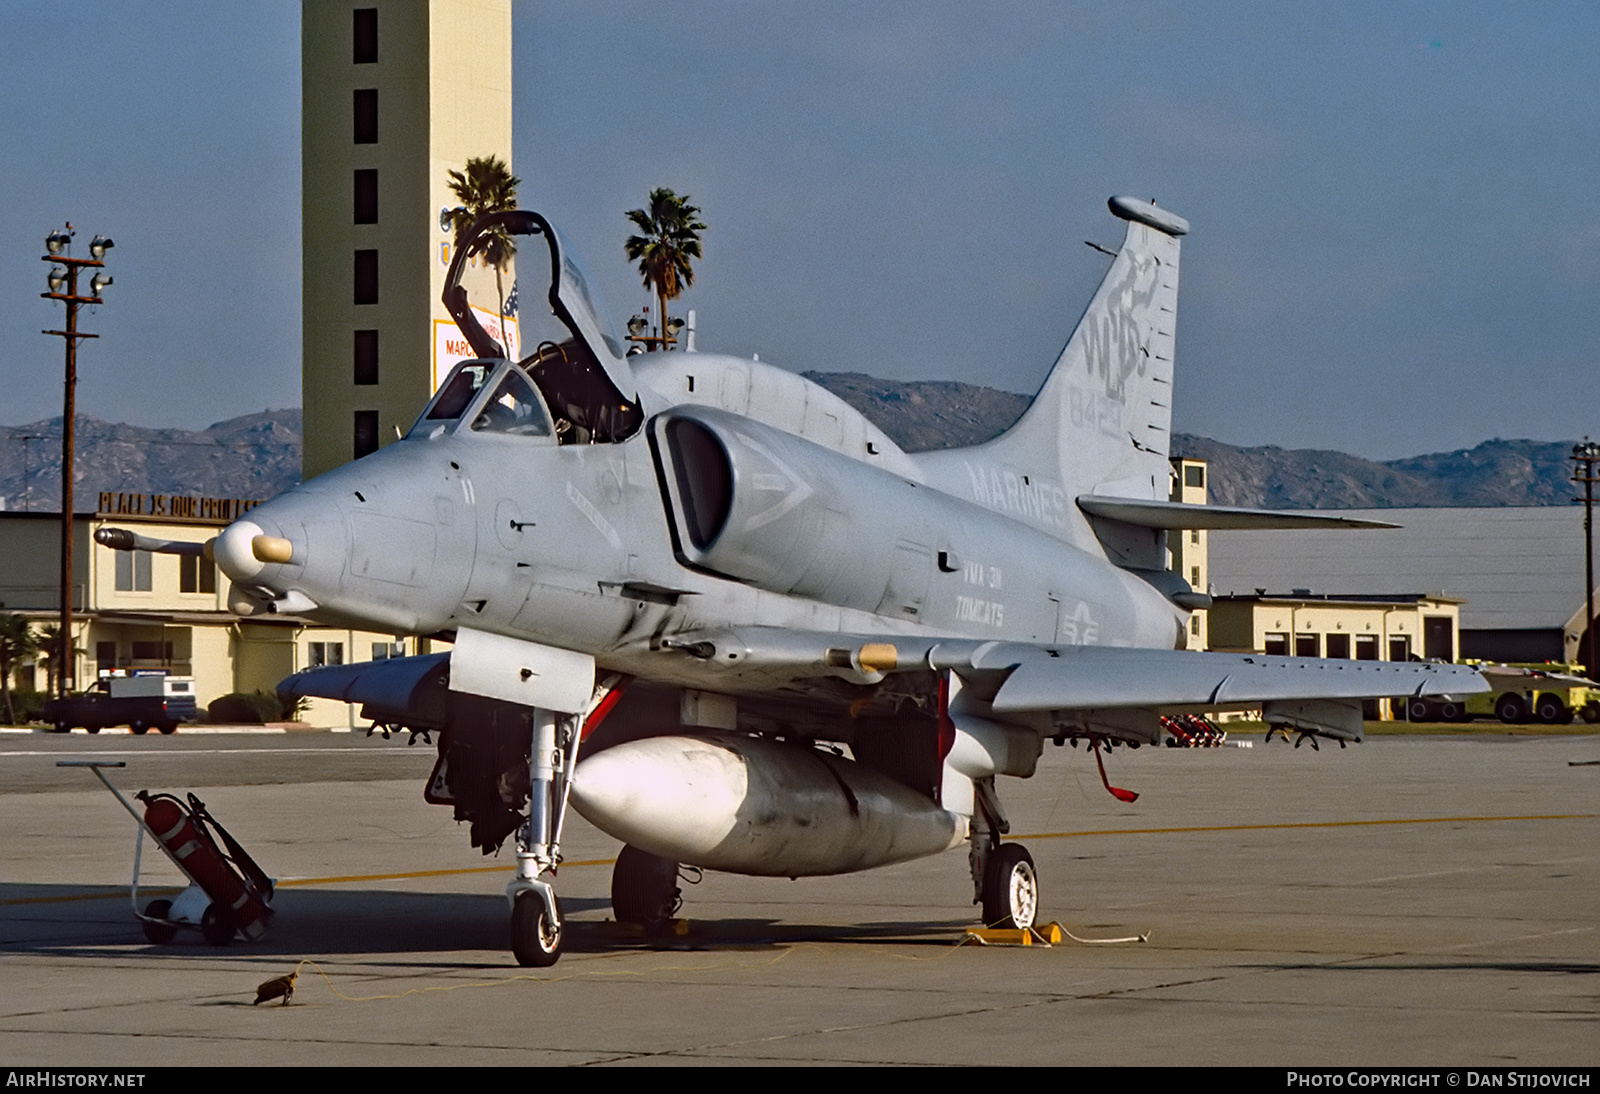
[(258, 455)]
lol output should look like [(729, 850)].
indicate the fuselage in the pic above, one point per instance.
[(750, 497)]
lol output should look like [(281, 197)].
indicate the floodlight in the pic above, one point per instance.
[(58, 278), (98, 247), (57, 241), (636, 325), (100, 283)]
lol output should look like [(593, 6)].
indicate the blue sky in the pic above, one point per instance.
[(1393, 246)]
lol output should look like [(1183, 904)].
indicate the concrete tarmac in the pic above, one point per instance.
[(1409, 901)]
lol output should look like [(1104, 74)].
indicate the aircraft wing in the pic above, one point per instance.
[(1121, 691), (1097, 676), (407, 690), (1113, 689)]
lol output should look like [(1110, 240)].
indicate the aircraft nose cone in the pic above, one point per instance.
[(233, 553), (244, 548)]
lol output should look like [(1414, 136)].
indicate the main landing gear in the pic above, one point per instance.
[(1003, 878), (644, 888)]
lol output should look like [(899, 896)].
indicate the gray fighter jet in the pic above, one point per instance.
[(711, 607)]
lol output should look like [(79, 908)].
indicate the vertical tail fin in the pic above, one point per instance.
[(1101, 423)]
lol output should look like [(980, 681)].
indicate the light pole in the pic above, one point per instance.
[(664, 338), (1585, 456), (64, 276)]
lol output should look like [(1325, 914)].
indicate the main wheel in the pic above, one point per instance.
[(535, 941), (139, 727), (1419, 710), (1511, 709), (216, 924), (159, 934), (1452, 711), (92, 729), (644, 888), (1010, 889), (168, 728), (1551, 710)]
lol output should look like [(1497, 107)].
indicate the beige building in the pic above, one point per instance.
[(1188, 548), (138, 610), (395, 94), (1350, 627)]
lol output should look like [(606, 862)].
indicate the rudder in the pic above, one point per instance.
[(1101, 424)]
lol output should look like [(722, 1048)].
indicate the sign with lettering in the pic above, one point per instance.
[(177, 506), (450, 345)]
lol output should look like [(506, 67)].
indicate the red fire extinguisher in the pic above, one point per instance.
[(237, 904)]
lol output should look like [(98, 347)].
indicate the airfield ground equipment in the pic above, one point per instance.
[(228, 896)]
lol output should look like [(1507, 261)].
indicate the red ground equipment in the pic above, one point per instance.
[(230, 894)]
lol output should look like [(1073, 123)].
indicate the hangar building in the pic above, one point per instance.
[(1517, 573)]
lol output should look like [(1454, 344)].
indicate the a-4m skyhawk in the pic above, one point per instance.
[(673, 580)]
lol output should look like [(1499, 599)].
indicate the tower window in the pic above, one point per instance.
[(366, 433), (366, 357), (366, 116), (365, 37), (366, 277), (366, 196)]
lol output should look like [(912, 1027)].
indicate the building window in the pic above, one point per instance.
[(325, 653), (1366, 647), (366, 277), (1194, 537), (365, 37), (383, 651), (133, 571), (1194, 625), (366, 433), (159, 652), (1194, 577), (366, 196), (196, 574), (366, 357), (1277, 644), (1307, 645), (1338, 647), (1193, 474), (1400, 647), (366, 116)]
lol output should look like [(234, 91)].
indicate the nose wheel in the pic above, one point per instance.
[(536, 929)]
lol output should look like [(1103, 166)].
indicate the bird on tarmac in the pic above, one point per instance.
[(277, 986)]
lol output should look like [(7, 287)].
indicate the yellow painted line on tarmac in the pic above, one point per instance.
[(159, 890), (1298, 824), (302, 881), (425, 873)]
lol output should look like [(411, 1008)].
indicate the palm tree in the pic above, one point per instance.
[(671, 238), (48, 647), (17, 640), (487, 186)]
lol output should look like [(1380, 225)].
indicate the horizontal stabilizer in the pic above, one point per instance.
[(1175, 516)]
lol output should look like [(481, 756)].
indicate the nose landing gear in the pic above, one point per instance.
[(536, 927)]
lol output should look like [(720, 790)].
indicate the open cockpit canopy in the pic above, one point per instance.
[(577, 360)]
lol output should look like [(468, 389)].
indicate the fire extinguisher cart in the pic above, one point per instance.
[(228, 896)]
